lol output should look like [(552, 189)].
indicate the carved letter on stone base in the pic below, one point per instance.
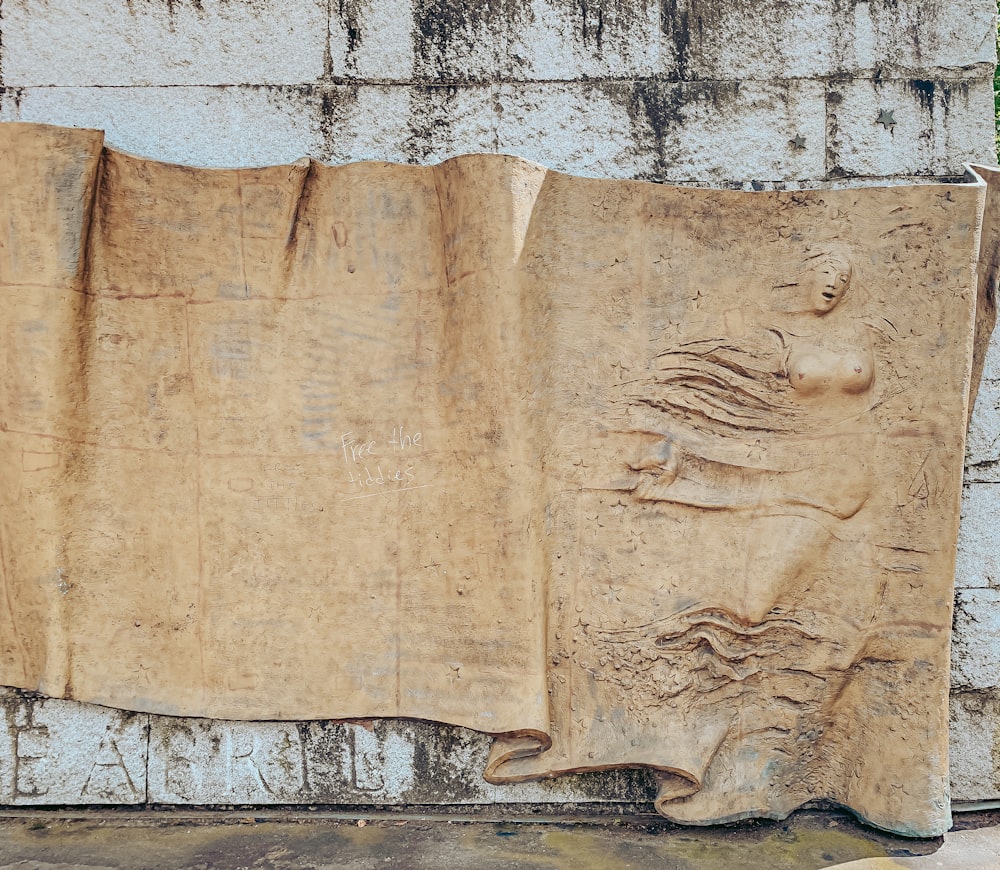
[(624, 474)]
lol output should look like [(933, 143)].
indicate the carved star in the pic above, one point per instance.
[(621, 368), (799, 142), (885, 118), (672, 332)]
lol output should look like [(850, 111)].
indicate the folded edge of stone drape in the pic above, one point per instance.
[(987, 268)]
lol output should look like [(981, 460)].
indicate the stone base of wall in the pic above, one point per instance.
[(63, 752)]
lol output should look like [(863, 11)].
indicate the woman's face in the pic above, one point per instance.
[(827, 284)]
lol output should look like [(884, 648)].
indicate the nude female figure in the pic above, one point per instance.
[(770, 423)]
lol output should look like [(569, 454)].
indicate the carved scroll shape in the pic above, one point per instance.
[(623, 474)]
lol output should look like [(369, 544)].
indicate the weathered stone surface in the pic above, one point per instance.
[(975, 745), (381, 762), (62, 752), (372, 39), (976, 640), (555, 40), (207, 126), (170, 42), (745, 130), (775, 39), (10, 99), (983, 445), (460, 40), (755, 40), (405, 124), (919, 38), (205, 761), (580, 128), (983, 442), (162, 42), (935, 127), (426, 40), (222, 126), (387, 762), (54, 751), (978, 564), (710, 132)]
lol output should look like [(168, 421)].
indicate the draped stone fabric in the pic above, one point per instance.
[(625, 474)]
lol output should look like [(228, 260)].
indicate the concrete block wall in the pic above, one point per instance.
[(696, 91), (754, 94), (975, 653)]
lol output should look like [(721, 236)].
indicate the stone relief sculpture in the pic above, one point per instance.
[(623, 474)]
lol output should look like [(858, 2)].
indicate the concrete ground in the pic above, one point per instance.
[(275, 840)]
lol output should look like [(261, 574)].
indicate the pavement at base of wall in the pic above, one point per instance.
[(61, 839)]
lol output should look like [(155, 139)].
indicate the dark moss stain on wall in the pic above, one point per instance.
[(432, 112), (592, 22), (172, 5), (656, 110), (937, 95), (659, 108), (447, 767), (351, 15), (333, 107), (621, 26), (438, 776), (465, 40), (950, 91), (674, 25), (918, 23), (331, 111), (924, 91), (15, 96), (834, 100), (486, 43), (459, 40)]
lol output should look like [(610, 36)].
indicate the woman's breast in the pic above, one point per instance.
[(814, 371)]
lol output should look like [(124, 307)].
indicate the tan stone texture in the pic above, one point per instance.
[(625, 474)]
